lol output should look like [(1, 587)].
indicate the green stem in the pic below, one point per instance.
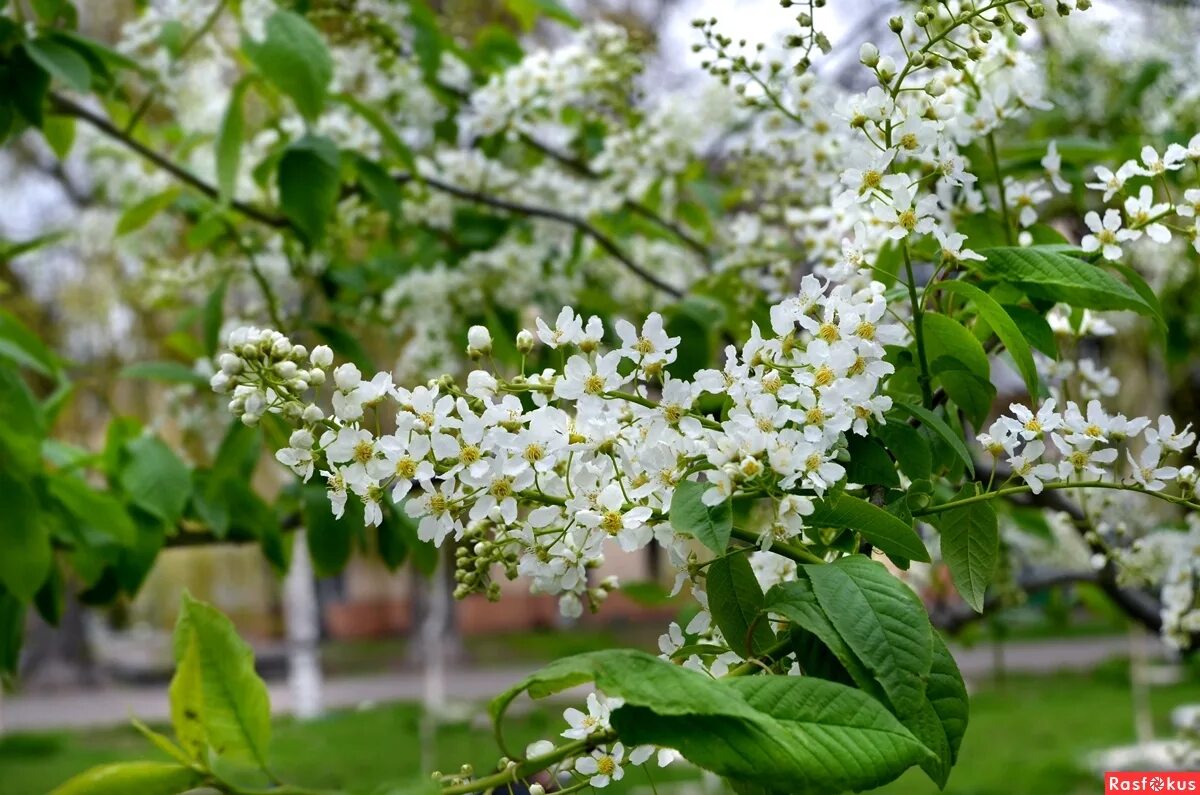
[(1008, 227), (1088, 484), (796, 553), (918, 329), (771, 653), (529, 766)]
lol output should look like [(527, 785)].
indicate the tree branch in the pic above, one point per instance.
[(534, 211), (69, 107), (952, 617)]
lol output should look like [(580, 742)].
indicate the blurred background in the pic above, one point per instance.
[(375, 672)]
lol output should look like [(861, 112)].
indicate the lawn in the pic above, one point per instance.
[(1026, 736)]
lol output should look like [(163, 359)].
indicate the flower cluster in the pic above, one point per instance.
[(267, 373), (551, 466), (1085, 445)]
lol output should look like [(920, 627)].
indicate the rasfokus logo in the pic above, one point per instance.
[(1151, 781)]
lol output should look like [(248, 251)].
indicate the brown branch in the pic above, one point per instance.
[(953, 617), (1137, 605), (68, 107), (534, 211)]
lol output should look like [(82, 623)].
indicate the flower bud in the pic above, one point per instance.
[(286, 369), (525, 341), (316, 377), (281, 348), (301, 439), (479, 341), (868, 55), (321, 356), (230, 364), (896, 24), (219, 382), (312, 413), (347, 377)]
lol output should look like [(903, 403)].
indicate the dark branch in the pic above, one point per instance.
[(533, 211), (69, 107), (953, 617)]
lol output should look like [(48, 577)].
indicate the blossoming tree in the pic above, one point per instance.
[(787, 310)]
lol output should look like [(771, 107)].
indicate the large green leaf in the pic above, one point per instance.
[(61, 61), (25, 554), (98, 510), (12, 632), (155, 479), (216, 693), (884, 530), (330, 540), (19, 344), (936, 424), (970, 546), (735, 600), (126, 778), (797, 602), (309, 179), (948, 695), (795, 734), (1046, 272), (882, 621), (294, 57), (143, 212), (1004, 327), (959, 363), (711, 525), (230, 137)]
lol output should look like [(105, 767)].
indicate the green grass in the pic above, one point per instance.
[(1026, 736)]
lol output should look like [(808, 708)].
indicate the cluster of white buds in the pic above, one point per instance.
[(267, 373)]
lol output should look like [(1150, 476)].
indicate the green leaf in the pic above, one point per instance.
[(98, 510), (1003, 326), (948, 695), (21, 430), (959, 362), (155, 479), (12, 632), (19, 344), (970, 546), (1145, 292), (882, 621), (214, 312), (293, 56), (61, 61), (161, 742), (230, 137), (528, 11), (216, 687), (1045, 272), (735, 599), (910, 448), (387, 132), (309, 177), (792, 733), (939, 426), (797, 602), (1035, 328), (142, 213), (876, 525), (59, 132), (165, 371), (711, 525), (380, 185), (123, 778), (869, 462), (330, 540), (26, 556)]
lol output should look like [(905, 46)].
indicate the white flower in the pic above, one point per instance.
[(1052, 162), (581, 377), (568, 329), (1166, 435), (627, 526), (1026, 466), (584, 724), (1147, 470), (651, 346), (1106, 236), (602, 767)]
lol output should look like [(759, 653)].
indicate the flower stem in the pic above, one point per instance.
[(1088, 484)]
